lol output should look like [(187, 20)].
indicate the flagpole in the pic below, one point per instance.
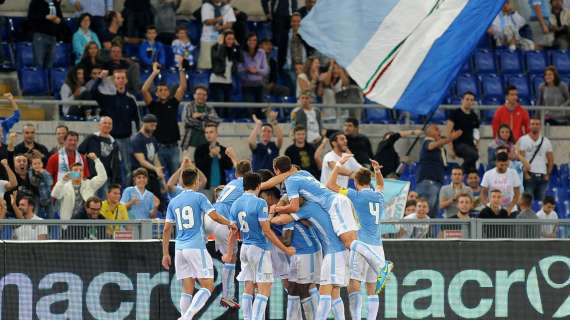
[(402, 165)]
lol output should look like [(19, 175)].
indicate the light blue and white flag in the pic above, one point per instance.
[(395, 197), (404, 54)]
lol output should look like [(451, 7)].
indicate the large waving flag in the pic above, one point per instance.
[(404, 54), (395, 197)]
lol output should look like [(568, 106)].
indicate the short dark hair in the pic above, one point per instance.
[(243, 167), (211, 125), (265, 174), (411, 203), (465, 195), (77, 164), (180, 27), (510, 88), (30, 200), (140, 172), (296, 14), (496, 191), (273, 192), (83, 16), (59, 126), (472, 171), (354, 121), (114, 186), (299, 128), (162, 83), (251, 181), (200, 87), (334, 136), (548, 200), (189, 176), (151, 27), (267, 125), (363, 176), (72, 134), (90, 200), (457, 168), (502, 156), (535, 117), (526, 198), (282, 163), (422, 199), (468, 93)]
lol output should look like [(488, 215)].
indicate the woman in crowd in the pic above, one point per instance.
[(253, 71), (309, 79), (504, 138), (73, 88), (91, 58), (84, 36), (553, 93), (226, 56)]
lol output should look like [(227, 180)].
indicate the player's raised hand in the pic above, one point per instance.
[(290, 251), (345, 157), (375, 165), (166, 262), (256, 119)]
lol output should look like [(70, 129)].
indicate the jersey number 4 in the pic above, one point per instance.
[(375, 210), (244, 227), (184, 217)]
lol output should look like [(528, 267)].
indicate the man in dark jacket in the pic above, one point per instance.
[(211, 158), (45, 17)]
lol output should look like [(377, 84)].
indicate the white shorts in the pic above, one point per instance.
[(334, 270), (304, 268), (221, 233), (255, 264), (280, 263), (360, 270), (193, 263), (342, 215), (319, 262)]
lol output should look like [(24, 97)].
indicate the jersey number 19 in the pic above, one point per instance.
[(184, 217)]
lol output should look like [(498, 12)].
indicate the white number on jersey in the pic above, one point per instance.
[(244, 227), (375, 210), (184, 217), (228, 190)]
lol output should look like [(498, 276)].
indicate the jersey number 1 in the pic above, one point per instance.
[(184, 217), (375, 210)]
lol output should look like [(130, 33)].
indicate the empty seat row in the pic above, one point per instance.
[(516, 62)]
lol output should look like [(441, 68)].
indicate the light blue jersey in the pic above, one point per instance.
[(246, 212), (177, 190), (322, 225), (187, 212), (369, 206), (303, 184), (304, 240), (230, 193)]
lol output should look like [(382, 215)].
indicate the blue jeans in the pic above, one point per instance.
[(43, 46), (536, 186), (429, 189), (125, 153), (169, 155)]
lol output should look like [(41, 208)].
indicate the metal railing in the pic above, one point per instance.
[(29, 230)]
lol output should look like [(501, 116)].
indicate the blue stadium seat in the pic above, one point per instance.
[(535, 62), (484, 61), (561, 60), (535, 82), (521, 83), (491, 86), (466, 68), (171, 77), (510, 62), (57, 77), (130, 50), (377, 115), (24, 54), (144, 74), (198, 78), (5, 31), (62, 55), (486, 42), (72, 24), (466, 82), (33, 81), (8, 62), (168, 57), (194, 31), (264, 30)]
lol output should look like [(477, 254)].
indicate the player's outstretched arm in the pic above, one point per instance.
[(276, 180), (166, 261), (270, 235), (282, 219), (331, 182), (221, 219), (231, 242), (292, 207), (379, 177)]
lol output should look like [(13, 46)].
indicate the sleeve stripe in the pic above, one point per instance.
[(169, 220)]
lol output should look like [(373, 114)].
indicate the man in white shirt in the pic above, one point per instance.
[(547, 213), (416, 231), (217, 16), (28, 232), (537, 149), (339, 146), (504, 179)]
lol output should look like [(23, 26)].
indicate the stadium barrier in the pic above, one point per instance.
[(433, 279)]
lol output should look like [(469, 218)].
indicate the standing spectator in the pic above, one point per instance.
[(503, 139), (309, 118), (96, 8), (512, 114), (106, 148), (465, 121), (140, 202), (60, 133), (91, 58), (226, 56), (138, 16), (416, 231), (118, 63), (60, 163), (217, 16), (560, 24), (165, 20), (503, 179), (9, 122), (45, 17), (539, 25), (150, 50), (339, 146), (195, 116), (41, 181), (337, 89), (91, 211), (304, 11), (305, 154), (165, 108), (431, 167), (145, 154), (494, 210), (183, 49), (449, 194), (309, 78), (29, 145), (271, 85), (526, 212), (122, 108), (24, 188), (474, 182), (265, 150), (279, 13), (358, 143), (73, 189), (386, 154), (212, 159), (25, 208), (73, 88), (297, 49), (505, 29), (112, 208), (112, 34), (83, 36), (537, 149), (547, 213), (253, 71), (553, 93)]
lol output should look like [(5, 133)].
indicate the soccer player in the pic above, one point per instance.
[(192, 260), (369, 205), (334, 268), (250, 214), (339, 208)]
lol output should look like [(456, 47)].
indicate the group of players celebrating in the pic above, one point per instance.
[(316, 238)]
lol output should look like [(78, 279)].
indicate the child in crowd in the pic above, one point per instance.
[(547, 213), (41, 180), (151, 50), (140, 203), (183, 48)]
